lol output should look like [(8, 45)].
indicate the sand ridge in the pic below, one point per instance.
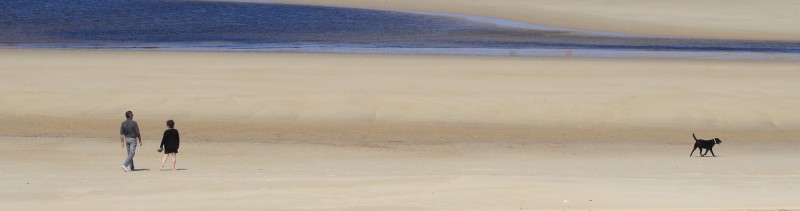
[(718, 19)]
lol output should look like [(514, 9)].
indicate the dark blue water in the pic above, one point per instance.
[(151, 24), (143, 21)]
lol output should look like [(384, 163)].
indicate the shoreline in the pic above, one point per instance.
[(541, 52)]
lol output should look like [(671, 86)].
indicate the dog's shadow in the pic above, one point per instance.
[(698, 156)]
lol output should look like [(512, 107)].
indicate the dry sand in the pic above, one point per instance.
[(592, 174), (377, 132)]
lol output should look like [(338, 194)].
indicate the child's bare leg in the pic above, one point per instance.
[(174, 160), (163, 161)]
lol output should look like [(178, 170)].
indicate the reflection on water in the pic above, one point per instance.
[(222, 26)]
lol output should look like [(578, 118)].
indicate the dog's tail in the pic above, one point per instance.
[(695, 137)]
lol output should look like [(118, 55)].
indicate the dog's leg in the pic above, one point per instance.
[(712, 152), (695, 147), (701, 152)]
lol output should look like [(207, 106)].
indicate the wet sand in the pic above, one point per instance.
[(366, 132)]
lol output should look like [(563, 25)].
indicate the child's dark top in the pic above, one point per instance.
[(171, 139)]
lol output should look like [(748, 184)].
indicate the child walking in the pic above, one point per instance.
[(170, 143)]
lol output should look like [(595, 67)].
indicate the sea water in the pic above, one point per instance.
[(226, 26)]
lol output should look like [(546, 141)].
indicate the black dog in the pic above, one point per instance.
[(704, 144)]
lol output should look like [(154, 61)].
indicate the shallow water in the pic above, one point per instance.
[(223, 26)]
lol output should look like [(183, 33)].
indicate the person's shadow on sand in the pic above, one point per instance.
[(140, 169), (180, 169)]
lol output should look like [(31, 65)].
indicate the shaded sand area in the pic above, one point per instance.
[(378, 132), (718, 19)]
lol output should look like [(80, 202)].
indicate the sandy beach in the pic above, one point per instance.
[(283, 131), (365, 132)]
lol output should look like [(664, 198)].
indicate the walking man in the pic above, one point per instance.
[(128, 134)]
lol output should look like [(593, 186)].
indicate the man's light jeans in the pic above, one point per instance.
[(130, 145)]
